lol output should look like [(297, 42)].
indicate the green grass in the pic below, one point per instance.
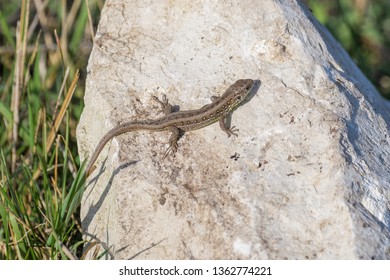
[(42, 180), (41, 177)]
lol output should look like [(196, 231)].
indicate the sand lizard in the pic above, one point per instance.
[(175, 122)]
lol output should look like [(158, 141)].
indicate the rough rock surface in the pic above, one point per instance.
[(308, 176)]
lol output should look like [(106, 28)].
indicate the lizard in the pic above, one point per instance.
[(175, 122)]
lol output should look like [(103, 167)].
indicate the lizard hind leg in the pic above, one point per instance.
[(175, 134), (166, 107)]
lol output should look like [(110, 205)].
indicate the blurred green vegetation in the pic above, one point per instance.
[(363, 28)]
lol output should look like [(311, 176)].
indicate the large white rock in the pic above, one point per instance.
[(308, 176)]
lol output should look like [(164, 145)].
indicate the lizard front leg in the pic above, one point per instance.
[(228, 130), (175, 133), (222, 122)]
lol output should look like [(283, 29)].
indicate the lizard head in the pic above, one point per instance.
[(239, 91)]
